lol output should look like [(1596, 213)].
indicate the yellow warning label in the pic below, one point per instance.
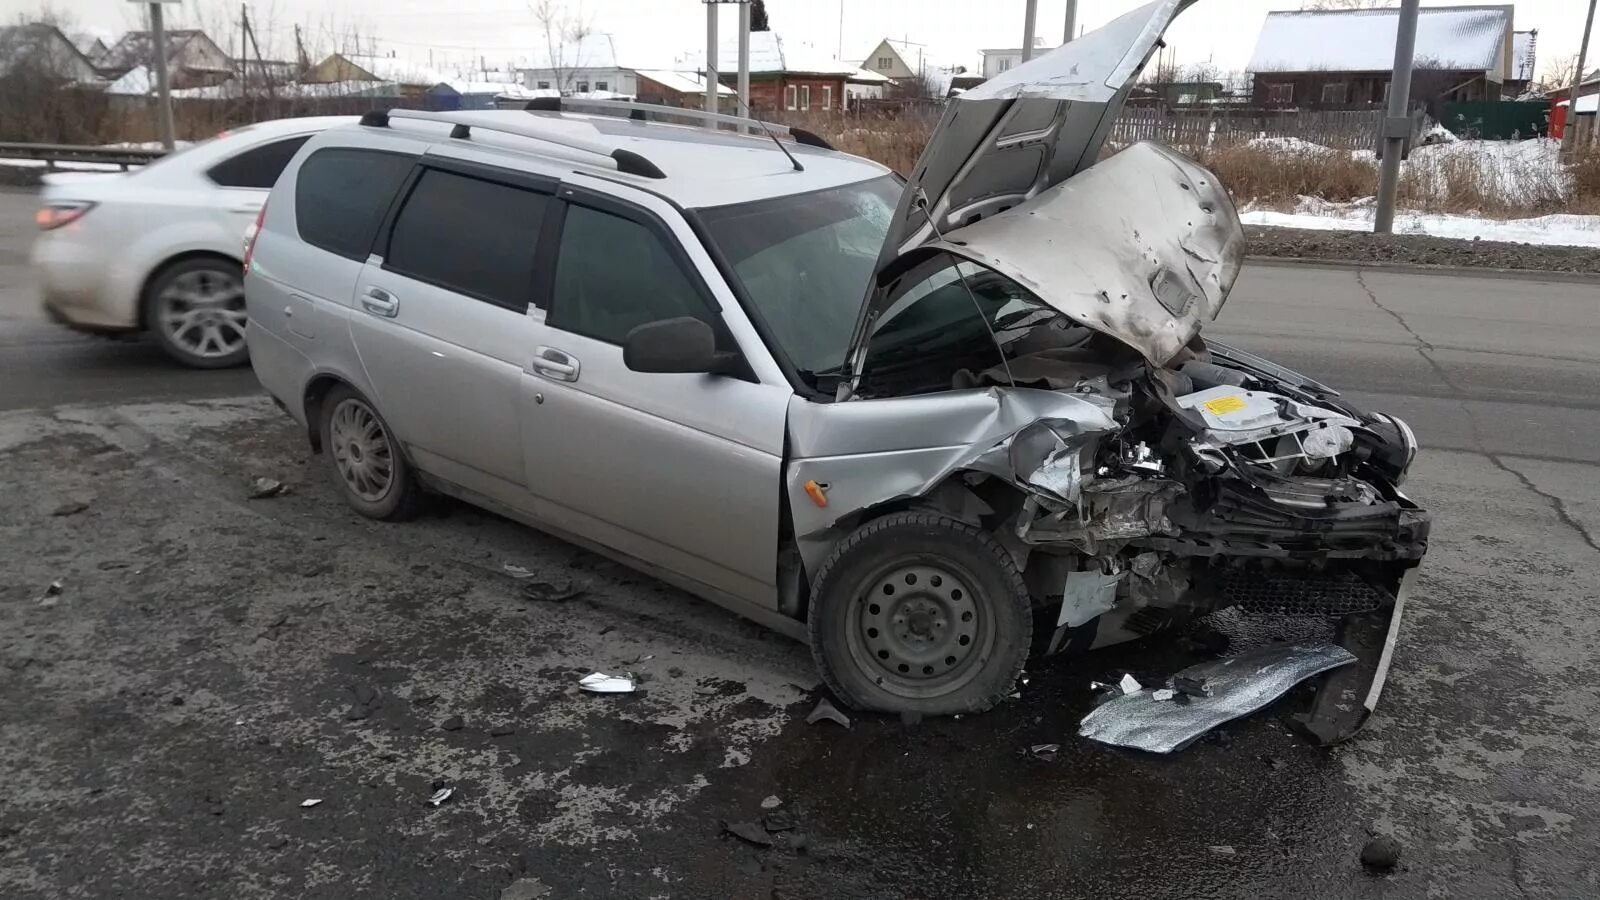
[(1224, 405)]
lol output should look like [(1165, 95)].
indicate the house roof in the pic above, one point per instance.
[(397, 69), (771, 53), (135, 48), (594, 51), (1524, 55), (1465, 38), (682, 82), (1588, 103), (21, 42), (867, 76)]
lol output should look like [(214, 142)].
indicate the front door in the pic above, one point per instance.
[(441, 321), (681, 471)]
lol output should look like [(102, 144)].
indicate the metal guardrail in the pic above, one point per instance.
[(53, 155)]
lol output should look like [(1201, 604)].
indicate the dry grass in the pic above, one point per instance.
[(895, 141)]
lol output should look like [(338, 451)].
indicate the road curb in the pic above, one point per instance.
[(1536, 275)]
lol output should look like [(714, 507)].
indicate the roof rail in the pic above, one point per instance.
[(642, 110), (628, 162)]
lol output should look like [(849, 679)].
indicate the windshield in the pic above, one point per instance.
[(805, 261)]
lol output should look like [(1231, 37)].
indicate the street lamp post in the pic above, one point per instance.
[(158, 34), (1397, 120)]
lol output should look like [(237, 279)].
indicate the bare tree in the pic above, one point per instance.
[(1556, 74), (565, 36)]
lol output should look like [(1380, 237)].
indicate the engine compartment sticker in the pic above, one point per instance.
[(1224, 405)]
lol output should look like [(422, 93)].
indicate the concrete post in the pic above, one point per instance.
[(711, 61), (1030, 13), (164, 97), (1569, 137), (744, 58), (1397, 122), (1070, 30)]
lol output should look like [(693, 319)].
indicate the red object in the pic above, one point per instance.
[(1558, 120), (251, 235)]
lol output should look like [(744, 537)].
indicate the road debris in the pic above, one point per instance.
[(1381, 854), (1194, 687), (1129, 684), (454, 723), (1044, 752), (1222, 850), (749, 832), (551, 591), (262, 487), (310, 802), (516, 571), (771, 802), (441, 795), (826, 710), (525, 889), (52, 594), (778, 821), (1239, 685), (1163, 694), (601, 683), (69, 509), (502, 731)]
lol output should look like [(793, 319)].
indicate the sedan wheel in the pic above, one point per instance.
[(366, 460), (197, 312)]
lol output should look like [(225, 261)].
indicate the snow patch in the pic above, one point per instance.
[(1554, 230)]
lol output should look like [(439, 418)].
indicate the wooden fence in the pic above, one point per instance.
[(1203, 127)]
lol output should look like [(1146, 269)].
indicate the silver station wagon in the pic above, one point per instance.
[(928, 426)]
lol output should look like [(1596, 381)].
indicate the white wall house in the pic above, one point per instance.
[(588, 66)]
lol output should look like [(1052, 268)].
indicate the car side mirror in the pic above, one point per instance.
[(681, 345)]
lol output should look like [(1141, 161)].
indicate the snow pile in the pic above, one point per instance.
[(1315, 213), (1289, 145)]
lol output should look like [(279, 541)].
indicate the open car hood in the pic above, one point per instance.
[(1144, 247)]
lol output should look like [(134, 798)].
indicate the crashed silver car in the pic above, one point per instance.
[(932, 428)]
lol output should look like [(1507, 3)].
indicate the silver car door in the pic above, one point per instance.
[(441, 322), (682, 471)]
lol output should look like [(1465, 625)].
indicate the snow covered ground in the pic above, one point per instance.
[(1310, 212)]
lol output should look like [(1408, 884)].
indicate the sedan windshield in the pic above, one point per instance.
[(805, 260)]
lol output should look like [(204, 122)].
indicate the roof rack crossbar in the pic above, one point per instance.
[(638, 110), (628, 162)]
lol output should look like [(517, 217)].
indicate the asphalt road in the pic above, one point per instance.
[(213, 661)]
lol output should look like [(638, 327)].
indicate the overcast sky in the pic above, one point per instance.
[(651, 32)]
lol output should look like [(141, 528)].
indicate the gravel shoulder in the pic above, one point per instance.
[(1272, 242)]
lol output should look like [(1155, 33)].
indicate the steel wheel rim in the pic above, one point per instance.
[(917, 628), (361, 450), (202, 312)]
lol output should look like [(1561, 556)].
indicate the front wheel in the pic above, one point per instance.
[(919, 612)]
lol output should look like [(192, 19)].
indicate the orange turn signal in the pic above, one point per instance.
[(817, 493)]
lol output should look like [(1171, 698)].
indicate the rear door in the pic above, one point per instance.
[(441, 324), (244, 179), (680, 470)]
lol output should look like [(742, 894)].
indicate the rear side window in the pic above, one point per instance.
[(258, 167), (613, 274), (341, 195), (469, 235)]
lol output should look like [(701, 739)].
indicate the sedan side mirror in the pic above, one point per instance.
[(681, 345)]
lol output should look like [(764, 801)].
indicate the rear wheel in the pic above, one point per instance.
[(195, 309), (919, 612), (365, 458)]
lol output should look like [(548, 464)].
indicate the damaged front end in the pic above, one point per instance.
[(1140, 476)]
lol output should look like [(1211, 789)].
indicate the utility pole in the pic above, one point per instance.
[(1396, 129), (1030, 13), (1570, 135), (158, 34), (744, 57), (261, 65), (711, 60), (1070, 30), (300, 51)]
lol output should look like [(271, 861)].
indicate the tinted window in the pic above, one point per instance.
[(613, 274), (341, 194), (258, 167), (469, 235)]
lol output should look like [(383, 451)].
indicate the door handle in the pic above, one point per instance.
[(380, 302), (554, 364)]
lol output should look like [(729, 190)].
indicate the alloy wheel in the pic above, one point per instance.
[(202, 313)]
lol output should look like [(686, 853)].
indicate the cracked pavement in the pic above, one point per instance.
[(211, 662)]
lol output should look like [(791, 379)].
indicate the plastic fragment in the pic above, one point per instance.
[(1129, 684), (1222, 850), (1045, 752), (1194, 687), (516, 571), (749, 832), (310, 802), (551, 591), (771, 802), (826, 710), (52, 594), (441, 795), (262, 487), (1163, 694), (601, 683)]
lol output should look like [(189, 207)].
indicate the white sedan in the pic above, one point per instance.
[(158, 249)]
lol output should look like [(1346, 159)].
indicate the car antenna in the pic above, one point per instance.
[(752, 117), (922, 204)]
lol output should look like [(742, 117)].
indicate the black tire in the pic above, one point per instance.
[(217, 283), (918, 612), (394, 500)]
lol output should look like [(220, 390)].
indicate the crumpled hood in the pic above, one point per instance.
[(1144, 246)]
